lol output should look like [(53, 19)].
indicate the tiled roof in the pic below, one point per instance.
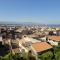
[(41, 46), (55, 38)]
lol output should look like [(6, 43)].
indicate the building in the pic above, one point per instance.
[(54, 40), (58, 32), (41, 47)]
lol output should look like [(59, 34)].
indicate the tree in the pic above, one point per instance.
[(57, 52), (0, 57), (7, 57), (57, 55), (31, 56), (46, 56)]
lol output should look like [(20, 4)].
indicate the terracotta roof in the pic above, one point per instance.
[(56, 38), (41, 46)]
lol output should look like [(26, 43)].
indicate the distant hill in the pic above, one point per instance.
[(29, 23), (54, 25), (21, 23)]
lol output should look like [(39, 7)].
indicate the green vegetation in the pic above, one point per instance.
[(57, 55), (46, 56), (6, 57), (21, 56), (57, 52), (51, 55)]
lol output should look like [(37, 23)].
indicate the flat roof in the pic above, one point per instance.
[(34, 40)]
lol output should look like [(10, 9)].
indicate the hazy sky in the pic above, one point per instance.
[(41, 11)]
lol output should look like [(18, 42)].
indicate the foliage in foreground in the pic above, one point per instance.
[(46, 56), (23, 56), (51, 55)]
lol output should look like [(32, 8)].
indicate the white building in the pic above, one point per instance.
[(54, 40)]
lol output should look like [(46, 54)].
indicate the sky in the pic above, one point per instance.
[(37, 11)]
